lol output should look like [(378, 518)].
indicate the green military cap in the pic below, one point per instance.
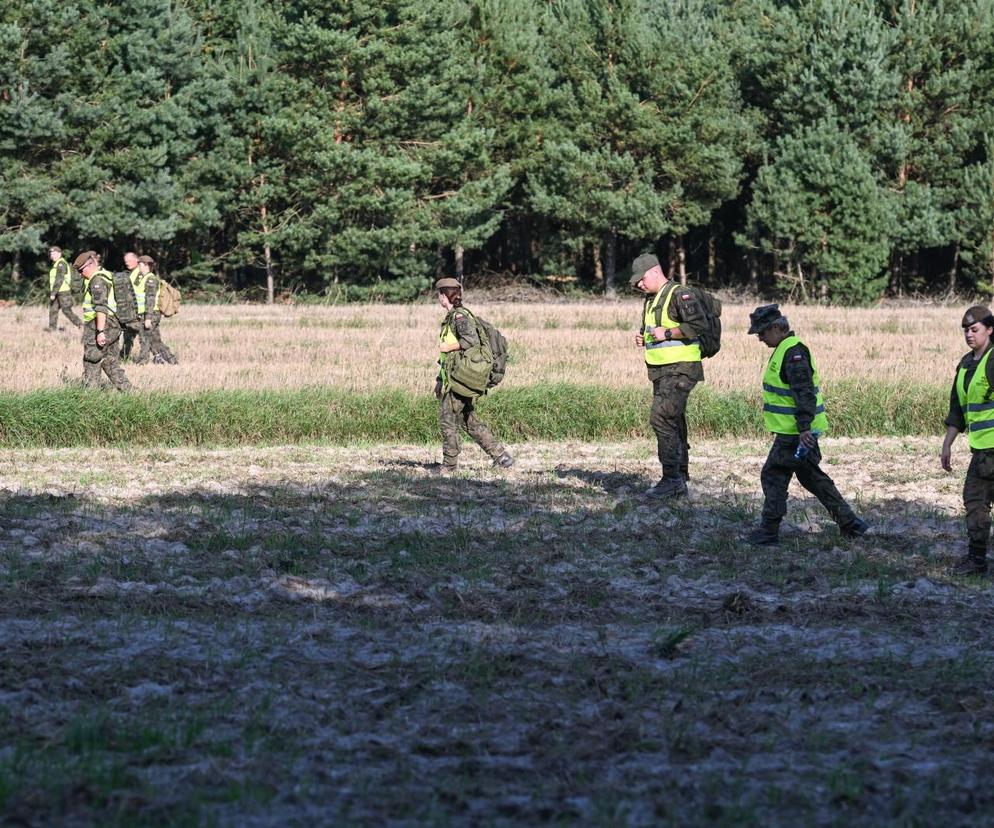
[(642, 265), (764, 316), (978, 313), (447, 282), (83, 258)]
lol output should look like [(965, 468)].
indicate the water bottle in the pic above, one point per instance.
[(802, 450)]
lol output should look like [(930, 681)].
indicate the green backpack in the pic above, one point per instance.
[(709, 338), (476, 370)]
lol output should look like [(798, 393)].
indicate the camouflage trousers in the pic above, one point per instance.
[(63, 302), (455, 411), (978, 495), (150, 339), (781, 466), (106, 359), (668, 418)]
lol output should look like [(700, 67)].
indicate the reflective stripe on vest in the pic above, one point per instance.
[(666, 352), (977, 405), (89, 314), (65, 281), (779, 403), (445, 337)]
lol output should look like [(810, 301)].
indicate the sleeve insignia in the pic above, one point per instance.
[(797, 358), (685, 296)]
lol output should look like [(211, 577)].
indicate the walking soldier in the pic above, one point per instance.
[(60, 289), (100, 326)]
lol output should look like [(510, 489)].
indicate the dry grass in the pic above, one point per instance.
[(367, 347), (334, 636)]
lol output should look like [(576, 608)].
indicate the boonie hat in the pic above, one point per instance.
[(764, 316), (83, 258), (642, 265), (978, 313), (447, 282)]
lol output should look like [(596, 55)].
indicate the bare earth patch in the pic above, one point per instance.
[(321, 635)]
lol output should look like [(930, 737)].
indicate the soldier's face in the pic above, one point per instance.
[(130, 261), (978, 336), (54, 254), (651, 281)]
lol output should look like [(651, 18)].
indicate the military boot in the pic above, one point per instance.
[(974, 562), (505, 461), (668, 487), (854, 529), (766, 534)]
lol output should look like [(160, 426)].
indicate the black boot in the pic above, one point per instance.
[(974, 562), (766, 534)]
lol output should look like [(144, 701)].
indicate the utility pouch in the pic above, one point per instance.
[(985, 464)]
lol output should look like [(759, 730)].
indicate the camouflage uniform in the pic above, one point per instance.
[(978, 488), (58, 285), (457, 410), (106, 359), (671, 387), (781, 465)]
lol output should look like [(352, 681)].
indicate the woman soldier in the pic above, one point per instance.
[(971, 409), (456, 406)]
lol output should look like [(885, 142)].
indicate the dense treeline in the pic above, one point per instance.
[(839, 149)]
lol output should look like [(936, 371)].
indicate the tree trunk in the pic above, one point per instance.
[(712, 259), (595, 250), (671, 258), (681, 257), (896, 283), (15, 268), (753, 274), (268, 257), (458, 256), (953, 270), (610, 261), (822, 280)]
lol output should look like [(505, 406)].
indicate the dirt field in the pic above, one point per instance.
[(392, 346), (331, 636)]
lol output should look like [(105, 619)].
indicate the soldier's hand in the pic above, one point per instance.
[(101, 339), (51, 297), (946, 458), (808, 440), (639, 340), (148, 324)]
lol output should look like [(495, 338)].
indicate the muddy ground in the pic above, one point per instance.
[(326, 635)]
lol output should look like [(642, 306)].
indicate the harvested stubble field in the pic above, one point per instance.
[(371, 347), (336, 636)]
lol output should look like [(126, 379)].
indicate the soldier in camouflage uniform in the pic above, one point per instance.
[(60, 290), (147, 292), (794, 410), (100, 326), (672, 319), (134, 329), (457, 404), (970, 410)]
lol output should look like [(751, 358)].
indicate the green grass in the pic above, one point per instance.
[(74, 417)]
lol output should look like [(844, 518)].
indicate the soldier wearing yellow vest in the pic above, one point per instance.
[(971, 409), (672, 319), (794, 411), (60, 290), (147, 291), (457, 404), (133, 329), (100, 326)]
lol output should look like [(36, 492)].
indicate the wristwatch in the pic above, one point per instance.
[(668, 335)]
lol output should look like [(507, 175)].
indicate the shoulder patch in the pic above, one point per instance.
[(459, 316), (685, 296)]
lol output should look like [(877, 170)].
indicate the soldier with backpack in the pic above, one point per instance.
[(467, 367), (60, 289), (149, 290), (680, 326), (101, 328)]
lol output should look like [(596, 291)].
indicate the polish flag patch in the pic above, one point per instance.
[(685, 296), (796, 358)]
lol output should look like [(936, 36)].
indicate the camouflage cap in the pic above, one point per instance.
[(447, 282), (642, 265), (978, 313), (84, 257), (764, 316), (146, 260)]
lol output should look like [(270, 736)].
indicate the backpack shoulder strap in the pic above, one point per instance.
[(664, 295)]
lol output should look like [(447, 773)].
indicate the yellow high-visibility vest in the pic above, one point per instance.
[(89, 313), (779, 405), (666, 352), (978, 409)]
